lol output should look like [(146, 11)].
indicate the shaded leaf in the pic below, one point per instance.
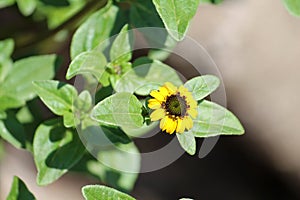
[(19, 191), (13, 132), (5, 3), (94, 192), (117, 179), (56, 150), (202, 86), (121, 109), (214, 120)]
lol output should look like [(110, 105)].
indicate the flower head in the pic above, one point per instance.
[(175, 107)]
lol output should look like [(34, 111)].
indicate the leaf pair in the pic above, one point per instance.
[(212, 119)]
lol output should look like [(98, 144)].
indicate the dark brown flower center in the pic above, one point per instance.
[(176, 105)]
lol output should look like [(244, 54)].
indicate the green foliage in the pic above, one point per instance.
[(202, 86), (26, 7), (187, 142), (211, 1), (122, 81), (94, 192), (293, 6), (176, 15), (92, 62), (95, 30), (19, 191), (121, 109), (146, 75), (56, 149), (16, 88), (215, 120)]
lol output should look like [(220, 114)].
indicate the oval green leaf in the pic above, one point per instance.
[(121, 109), (56, 95), (176, 15), (202, 86), (94, 30), (19, 83), (187, 142), (96, 192), (214, 120), (92, 62)]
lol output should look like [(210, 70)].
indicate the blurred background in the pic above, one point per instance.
[(256, 46)]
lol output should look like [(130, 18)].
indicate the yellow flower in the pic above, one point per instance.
[(175, 107)]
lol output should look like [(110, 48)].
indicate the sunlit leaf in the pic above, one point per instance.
[(214, 120), (94, 192)]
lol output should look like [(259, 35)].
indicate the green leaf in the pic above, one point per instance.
[(117, 179), (94, 192), (13, 131), (202, 86), (56, 95), (121, 50), (19, 191), (121, 157), (84, 102), (143, 15), (121, 109), (6, 48), (2, 114), (26, 6), (214, 120), (187, 142), (58, 14), (91, 62), (293, 6), (5, 3), (19, 83), (176, 15), (56, 149), (8, 102), (211, 1), (146, 75), (94, 30)]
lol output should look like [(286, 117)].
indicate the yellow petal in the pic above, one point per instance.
[(164, 91), (171, 125), (157, 95), (182, 90), (180, 126), (154, 104), (172, 89), (157, 114), (163, 124), (193, 113), (192, 103), (188, 123)]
